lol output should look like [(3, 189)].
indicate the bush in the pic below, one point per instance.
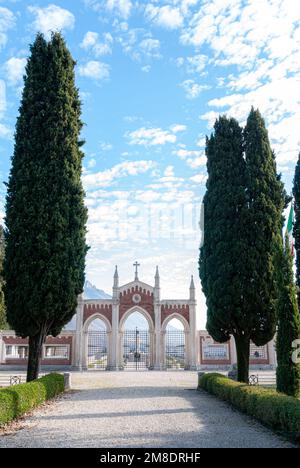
[(19, 399), (276, 410)]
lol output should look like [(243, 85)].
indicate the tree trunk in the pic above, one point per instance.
[(242, 344), (35, 354)]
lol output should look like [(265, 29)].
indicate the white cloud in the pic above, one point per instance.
[(92, 163), (201, 141), (279, 102), (5, 132), (238, 31), (169, 171), (91, 42), (178, 128), (196, 63), (211, 117), (199, 179), (260, 41), (96, 70), (109, 176), (193, 89), (51, 18), (165, 16), (104, 146), (184, 154), (121, 7), (139, 44), (193, 64), (146, 68), (14, 69), (7, 21), (193, 158), (150, 47), (150, 137)]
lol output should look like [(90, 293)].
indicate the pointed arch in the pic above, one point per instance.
[(142, 311), (95, 316), (175, 315)]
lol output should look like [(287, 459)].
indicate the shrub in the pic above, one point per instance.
[(19, 399), (275, 410)]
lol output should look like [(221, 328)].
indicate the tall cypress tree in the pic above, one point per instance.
[(266, 201), (243, 218), (296, 227), (3, 322), (287, 372), (45, 212), (222, 267)]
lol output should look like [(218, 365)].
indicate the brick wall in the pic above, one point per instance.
[(183, 310), (92, 309), (60, 340), (146, 303)]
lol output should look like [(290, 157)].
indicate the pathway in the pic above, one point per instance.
[(139, 409)]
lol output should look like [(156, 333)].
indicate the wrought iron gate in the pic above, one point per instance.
[(97, 349), (175, 349), (136, 349)]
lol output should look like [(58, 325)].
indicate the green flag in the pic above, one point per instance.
[(289, 228)]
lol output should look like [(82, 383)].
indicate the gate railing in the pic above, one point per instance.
[(136, 349), (175, 349), (97, 349)]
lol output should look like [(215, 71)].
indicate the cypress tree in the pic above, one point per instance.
[(45, 212), (222, 268), (243, 218), (3, 322), (287, 372), (296, 227), (266, 201)]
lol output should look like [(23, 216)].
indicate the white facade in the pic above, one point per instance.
[(73, 349)]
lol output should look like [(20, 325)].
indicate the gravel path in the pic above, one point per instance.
[(139, 409)]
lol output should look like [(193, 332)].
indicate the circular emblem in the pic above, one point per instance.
[(136, 298)]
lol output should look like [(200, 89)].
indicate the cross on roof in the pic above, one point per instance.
[(136, 265)]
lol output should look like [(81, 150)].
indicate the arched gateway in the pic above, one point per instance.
[(104, 340)]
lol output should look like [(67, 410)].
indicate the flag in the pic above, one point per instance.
[(289, 228)]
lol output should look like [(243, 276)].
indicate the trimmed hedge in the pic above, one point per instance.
[(19, 399), (276, 410)]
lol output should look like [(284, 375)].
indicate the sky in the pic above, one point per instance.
[(153, 77)]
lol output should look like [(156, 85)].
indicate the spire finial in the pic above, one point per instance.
[(192, 289), (156, 277), (116, 279), (136, 265)]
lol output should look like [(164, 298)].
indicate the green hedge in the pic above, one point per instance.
[(19, 399), (276, 410)]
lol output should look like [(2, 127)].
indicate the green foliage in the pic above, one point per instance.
[(287, 372), (242, 229), (221, 255), (275, 410), (3, 322), (266, 200), (45, 212), (19, 399), (296, 227)]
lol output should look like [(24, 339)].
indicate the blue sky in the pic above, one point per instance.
[(153, 76)]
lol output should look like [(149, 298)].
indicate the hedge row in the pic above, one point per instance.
[(19, 399), (276, 410)]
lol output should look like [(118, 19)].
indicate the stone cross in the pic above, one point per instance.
[(136, 265)]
